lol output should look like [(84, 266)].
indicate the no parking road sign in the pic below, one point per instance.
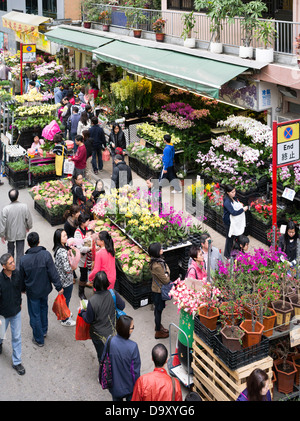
[(29, 53), (288, 140)]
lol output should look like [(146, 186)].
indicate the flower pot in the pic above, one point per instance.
[(228, 316), (87, 24), (190, 43), (231, 337), (209, 320), (285, 379), (295, 301), (245, 52), (216, 47), (251, 337), (159, 37), (265, 55), (269, 322), (137, 33), (296, 361), (105, 27), (283, 314)]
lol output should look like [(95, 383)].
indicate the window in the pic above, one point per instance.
[(181, 5), (50, 8), (32, 7), (3, 5)]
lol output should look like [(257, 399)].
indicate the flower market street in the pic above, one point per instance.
[(66, 369)]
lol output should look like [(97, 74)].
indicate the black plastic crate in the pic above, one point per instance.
[(205, 334), (210, 216), (53, 220), (16, 175), (240, 358), (259, 230)]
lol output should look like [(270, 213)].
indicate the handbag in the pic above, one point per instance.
[(165, 289), (105, 373), (119, 312)]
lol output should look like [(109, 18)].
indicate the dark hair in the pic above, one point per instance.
[(72, 211), (204, 237), (193, 396), (57, 138), (85, 134), (108, 242), (13, 194), (167, 138), (84, 118), (116, 125), (88, 107), (75, 176), (33, 239), (94, 120), (159, 355), (255, 383), (227, 189), (123, 326), (34, 77), (79, 138), (75, 109), (240, 242), (154, 250), (4, 258), (101, 282), (32, 83), (82, 218), (291, 226), (194, 250), (57, 240)]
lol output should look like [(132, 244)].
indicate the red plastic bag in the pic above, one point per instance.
[(105, 155), (60, 308), (82, 332)]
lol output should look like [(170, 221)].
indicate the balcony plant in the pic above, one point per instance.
[(189, 23), (105, 19), (158, 26), (136, 16), (266, 33), (217, 11)]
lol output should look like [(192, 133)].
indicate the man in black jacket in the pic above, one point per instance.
[(121, 175), (1, 163), (37, 274), (10, 308), (99, 144)]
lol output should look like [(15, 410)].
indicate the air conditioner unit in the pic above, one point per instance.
[(287, 117)]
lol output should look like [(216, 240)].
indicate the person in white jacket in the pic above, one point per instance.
[(15, 222), (84, 123)]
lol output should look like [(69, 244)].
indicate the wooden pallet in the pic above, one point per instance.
[(214, 381)]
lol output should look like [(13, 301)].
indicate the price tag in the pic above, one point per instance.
[(295, 331), (288, 194)]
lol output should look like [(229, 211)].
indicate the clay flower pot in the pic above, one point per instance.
[(137, 33), (232, 337), (225, 311), (209, 319), (159, 37), (296, 361), (285, 379), (269, 322), (251, 337), (295, 301), (283, 314)]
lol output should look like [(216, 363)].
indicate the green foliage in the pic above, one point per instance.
[(189, 23)]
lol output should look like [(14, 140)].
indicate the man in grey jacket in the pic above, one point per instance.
[(15, 222)]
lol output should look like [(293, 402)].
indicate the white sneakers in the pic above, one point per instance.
[(68, 322)]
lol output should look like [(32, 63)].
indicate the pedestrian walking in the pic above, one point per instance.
[(122, 174), (10, 309), (125, 360), (158, 385), (37, 274), (116, 140), (99, 144), (78, 191), (101, 312), (63, 267), (80, 156), (80, 233), (105, 258), (1, 161), (168, 170), (232, 209), (84, 123), (73, 125), (15, 222), (160, 275)]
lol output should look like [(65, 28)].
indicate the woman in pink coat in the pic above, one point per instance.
[(196, 268), (105, 258)]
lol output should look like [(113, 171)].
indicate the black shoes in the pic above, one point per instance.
[(19, 369)]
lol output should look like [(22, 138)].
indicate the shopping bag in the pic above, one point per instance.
[(82, 331), (68, 167), (105, 372), (105, 155), (74, 257), (60, 308)]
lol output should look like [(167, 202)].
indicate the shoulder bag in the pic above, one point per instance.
[(105, 372), (165, 290), (119, 312)]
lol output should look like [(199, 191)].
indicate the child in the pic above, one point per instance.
[(37, 142)]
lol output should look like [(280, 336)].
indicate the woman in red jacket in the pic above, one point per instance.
[(105, 259)]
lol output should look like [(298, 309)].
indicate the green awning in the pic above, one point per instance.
[(198, 74), (76, 39)]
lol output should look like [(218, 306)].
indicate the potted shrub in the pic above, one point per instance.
[(286, 370), (250, 14), (189, 23), (283, 307), (208, 312), (105, 18), (136, 16), (268, 291), (266, 33), (158, 26), (217, 11), (232, 337), (252, 328)]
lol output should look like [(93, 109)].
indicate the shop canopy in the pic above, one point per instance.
[(197, 74), (23, 22), (76, 39)]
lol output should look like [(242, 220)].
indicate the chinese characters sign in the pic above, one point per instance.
[(29, 53), (288, 140)]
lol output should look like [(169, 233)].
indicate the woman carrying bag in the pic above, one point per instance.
[(80, 233), (160, 276), (233, 218), (105, 258)]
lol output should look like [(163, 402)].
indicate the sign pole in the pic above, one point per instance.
[(274, 183), (21, 64)]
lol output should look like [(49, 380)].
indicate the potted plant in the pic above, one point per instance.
[(266, 33), (105, 17), (158, 26), (217, 11), (189, 23), (285, 368), (90, 13), (136, 16), (268, 290), (283, 307), (208, 312), (250, 13), (232, 337)]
